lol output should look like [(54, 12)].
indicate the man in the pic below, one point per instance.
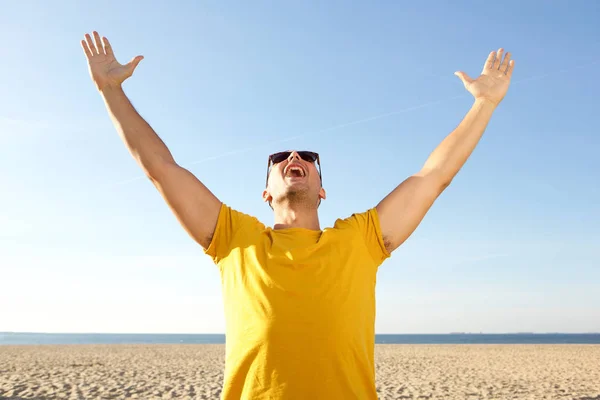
[(299, 301)]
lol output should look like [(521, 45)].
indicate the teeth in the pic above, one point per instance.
[(297, 169)]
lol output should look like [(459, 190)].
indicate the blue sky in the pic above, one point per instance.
[(88, 245)]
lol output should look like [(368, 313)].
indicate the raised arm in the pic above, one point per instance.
[(196, 208), (403, 209)]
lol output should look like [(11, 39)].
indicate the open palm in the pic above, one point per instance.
[(494, 80), (104, 68)]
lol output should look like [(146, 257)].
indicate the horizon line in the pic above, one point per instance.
[(443, 333)]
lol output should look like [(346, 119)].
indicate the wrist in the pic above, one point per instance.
[(485, 102), (109, 89)]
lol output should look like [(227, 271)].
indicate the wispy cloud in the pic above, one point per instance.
[(9, 125), (359, 121), (19, 127)]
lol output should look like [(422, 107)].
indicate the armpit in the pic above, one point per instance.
[(387, 242)]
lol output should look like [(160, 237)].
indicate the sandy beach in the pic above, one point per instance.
[(403, 371)]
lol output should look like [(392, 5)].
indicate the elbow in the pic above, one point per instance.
[(442, 179), (151, 170), (438, 180), (156, 169), (444, 183)]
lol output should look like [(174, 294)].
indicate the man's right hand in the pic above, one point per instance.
[(104, 68)]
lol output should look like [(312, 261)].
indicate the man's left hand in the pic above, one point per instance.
[(494, 80)]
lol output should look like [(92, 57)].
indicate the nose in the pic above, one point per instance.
[(293, 156)]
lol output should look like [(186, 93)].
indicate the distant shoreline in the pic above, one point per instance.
[(377, 334), (34, 338)]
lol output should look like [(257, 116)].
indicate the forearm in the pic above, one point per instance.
[(449, 157), (143, 143)]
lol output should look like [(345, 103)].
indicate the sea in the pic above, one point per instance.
[(25, 338)]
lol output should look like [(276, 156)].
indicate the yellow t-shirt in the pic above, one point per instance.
[(299, 307)]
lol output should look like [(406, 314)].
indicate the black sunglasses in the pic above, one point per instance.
[(308, 156)]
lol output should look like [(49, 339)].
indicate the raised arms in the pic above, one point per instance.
[(403, 209), (196, 208)]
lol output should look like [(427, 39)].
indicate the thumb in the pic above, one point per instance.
[(463, 77), (131, 65)]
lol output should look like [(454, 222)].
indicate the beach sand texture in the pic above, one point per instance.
[(403, 372)]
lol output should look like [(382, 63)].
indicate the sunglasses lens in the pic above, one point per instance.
[(308, 156), (279, 157)]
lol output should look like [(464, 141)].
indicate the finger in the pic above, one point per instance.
[(504, 65), (498, 58), (511, 66), (99, 45), (134, 63), (107, 47), (86, 49), (466, 79), (490, 60), (90, 44)]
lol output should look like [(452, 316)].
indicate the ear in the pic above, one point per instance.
[(322, 194), (266, 196)]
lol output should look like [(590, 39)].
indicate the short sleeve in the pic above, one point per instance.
[(229, 224), (367, 224)]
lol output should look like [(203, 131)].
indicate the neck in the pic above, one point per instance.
[(290, 216)]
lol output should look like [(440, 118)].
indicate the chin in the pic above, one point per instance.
[(297, 184)]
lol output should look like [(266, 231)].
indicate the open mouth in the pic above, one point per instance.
[(294, 171)]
